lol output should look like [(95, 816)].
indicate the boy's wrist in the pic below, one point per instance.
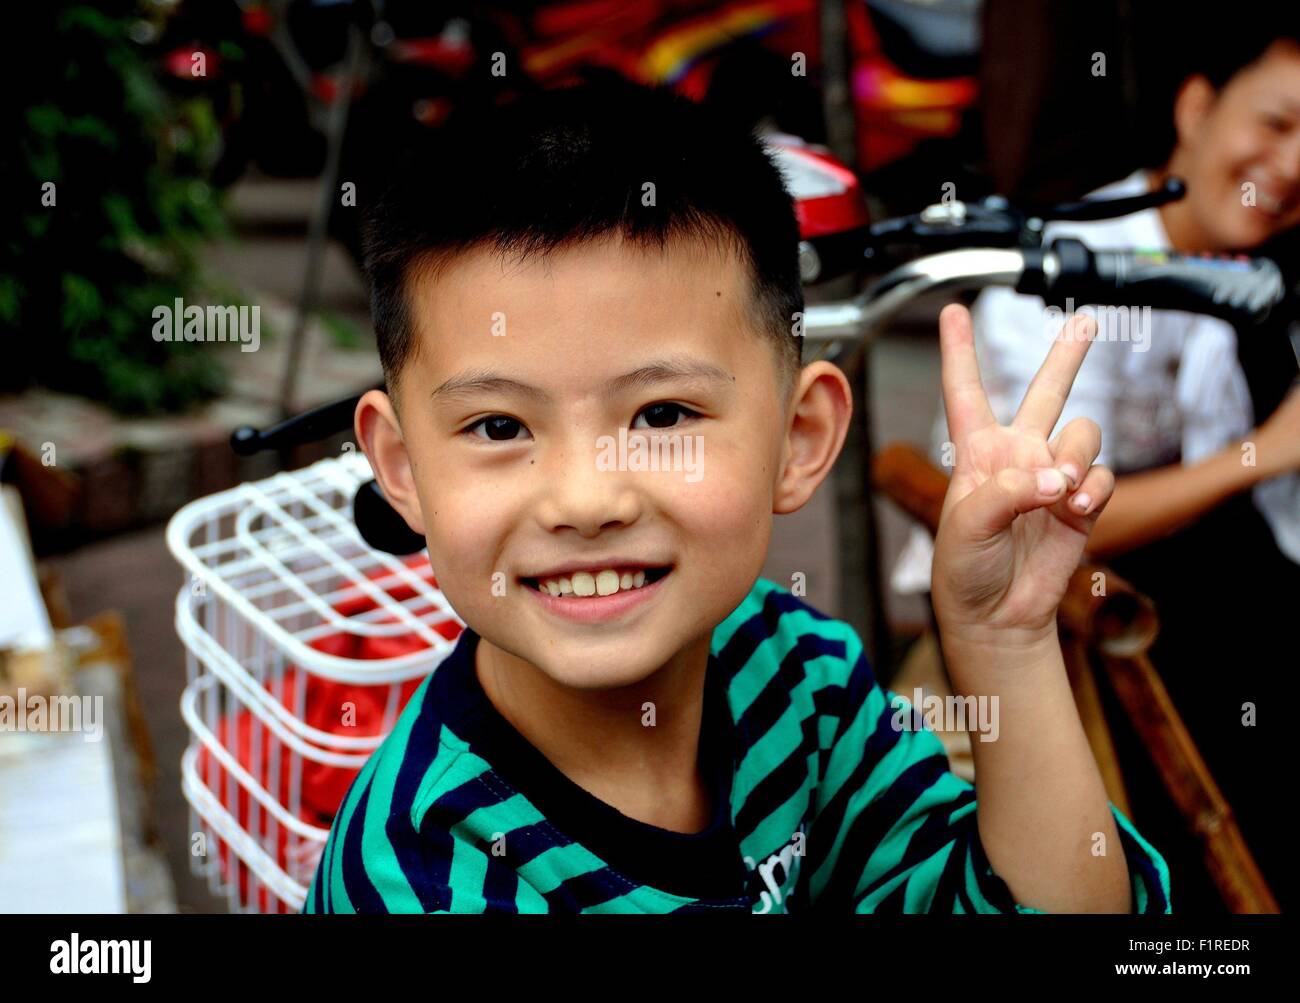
[(984, 654)]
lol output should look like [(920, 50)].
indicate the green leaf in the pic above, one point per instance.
[(81, 302), (45, 120), (342, 331)]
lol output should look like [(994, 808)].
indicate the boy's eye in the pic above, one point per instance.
[(496, 427), (663, 415)]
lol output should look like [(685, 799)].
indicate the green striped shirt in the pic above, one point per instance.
[(822, 802)]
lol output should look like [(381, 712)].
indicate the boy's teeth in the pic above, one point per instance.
[(605, 582)]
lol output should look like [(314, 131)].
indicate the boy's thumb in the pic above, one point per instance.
[(994, 505)]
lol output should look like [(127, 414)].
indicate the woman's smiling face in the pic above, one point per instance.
[(1240, 151), (532, 388)]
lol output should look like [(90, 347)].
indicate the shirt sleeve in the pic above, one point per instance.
[(895, 830), (1211, 389)]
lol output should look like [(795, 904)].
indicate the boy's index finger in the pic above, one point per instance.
[(964, 399), (1045, 399)]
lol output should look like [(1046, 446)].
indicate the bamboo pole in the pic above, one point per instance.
[(1206, 811)]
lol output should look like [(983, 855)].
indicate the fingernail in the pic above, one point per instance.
[(1083, 501), (1050, 481), (1071, 473)]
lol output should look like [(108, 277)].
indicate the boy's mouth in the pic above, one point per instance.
[(597, 581)]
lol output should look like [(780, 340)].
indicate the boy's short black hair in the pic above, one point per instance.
[(557, 168)]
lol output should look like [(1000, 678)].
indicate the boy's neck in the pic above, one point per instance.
[(602, 739)]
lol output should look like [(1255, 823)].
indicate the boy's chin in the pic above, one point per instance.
[(581, 666)]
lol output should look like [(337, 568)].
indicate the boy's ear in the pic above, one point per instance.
[(1195, 98), (819, 421), (380, 436)]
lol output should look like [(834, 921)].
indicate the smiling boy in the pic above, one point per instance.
[(633, 720)]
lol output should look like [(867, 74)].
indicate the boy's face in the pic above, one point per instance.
[(1249, 134), (511, 410)]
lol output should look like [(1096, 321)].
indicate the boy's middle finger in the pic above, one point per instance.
[(1075, 449), (1047, 393)]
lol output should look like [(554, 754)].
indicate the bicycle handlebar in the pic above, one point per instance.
[(1065, 273), (1242, 291), (318, 423), (995, 222)]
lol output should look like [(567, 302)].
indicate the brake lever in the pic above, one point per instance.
[(1094, 209)]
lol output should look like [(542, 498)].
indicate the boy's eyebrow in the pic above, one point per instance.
[(658, 371), (663, 370), (480, 381)]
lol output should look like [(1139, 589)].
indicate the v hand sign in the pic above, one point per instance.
[(1018, 512), (1019, 508)]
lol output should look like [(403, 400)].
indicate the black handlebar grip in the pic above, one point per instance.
[(1238, 290)]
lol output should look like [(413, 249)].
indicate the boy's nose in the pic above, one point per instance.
[(578, 495)]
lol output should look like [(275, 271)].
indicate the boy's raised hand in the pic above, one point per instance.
[(1019, 508)]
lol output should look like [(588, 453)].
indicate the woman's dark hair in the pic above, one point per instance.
[(1208, 38), (556, 168)]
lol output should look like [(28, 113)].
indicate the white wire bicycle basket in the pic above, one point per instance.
[(302, 646)]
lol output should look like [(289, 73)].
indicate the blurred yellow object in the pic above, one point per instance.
[(36, 671)]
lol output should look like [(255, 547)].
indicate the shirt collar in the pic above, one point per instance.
[(704, 865)]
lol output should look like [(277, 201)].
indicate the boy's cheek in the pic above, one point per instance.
[(472, 592), (727, 518), (463, 534)]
